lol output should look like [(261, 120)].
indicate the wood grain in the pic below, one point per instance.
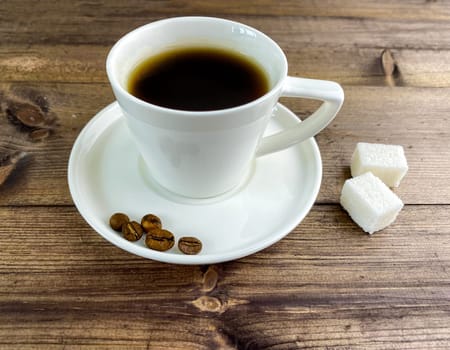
[(327, 285), (324, 285), (96, 23), (348, 66), (412, 117)]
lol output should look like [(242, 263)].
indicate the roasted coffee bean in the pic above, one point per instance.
[(190, 245), (117, 220), (132, 231), (158, 239), (150, 222)]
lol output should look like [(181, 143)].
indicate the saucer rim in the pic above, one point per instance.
[(166, 257)]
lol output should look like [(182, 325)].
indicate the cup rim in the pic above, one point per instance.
[(119, 88)]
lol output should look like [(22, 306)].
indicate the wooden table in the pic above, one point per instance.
[(327, 285)]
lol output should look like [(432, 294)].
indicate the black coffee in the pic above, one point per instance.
[(198, 79)]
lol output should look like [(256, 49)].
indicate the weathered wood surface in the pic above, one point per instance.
[(348, 65), (418, 119), (326, 285)]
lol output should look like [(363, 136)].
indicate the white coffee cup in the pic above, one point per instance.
[(205, 154)]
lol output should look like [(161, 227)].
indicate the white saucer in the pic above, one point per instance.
[(106, 176)]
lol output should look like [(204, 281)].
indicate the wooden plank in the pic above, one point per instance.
[(391, 116), (413, 117), (335, 252), (405, 10), (323, 285), (349, 66), (366, 26)]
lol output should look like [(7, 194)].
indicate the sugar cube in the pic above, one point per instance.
[(369, 202), (388, 162)]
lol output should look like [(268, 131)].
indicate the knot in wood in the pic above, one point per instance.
[(39, 134), (27, 115), (208, 304), (210, 279), (387, 62)]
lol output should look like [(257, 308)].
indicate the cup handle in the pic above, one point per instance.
[(329, 92)]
